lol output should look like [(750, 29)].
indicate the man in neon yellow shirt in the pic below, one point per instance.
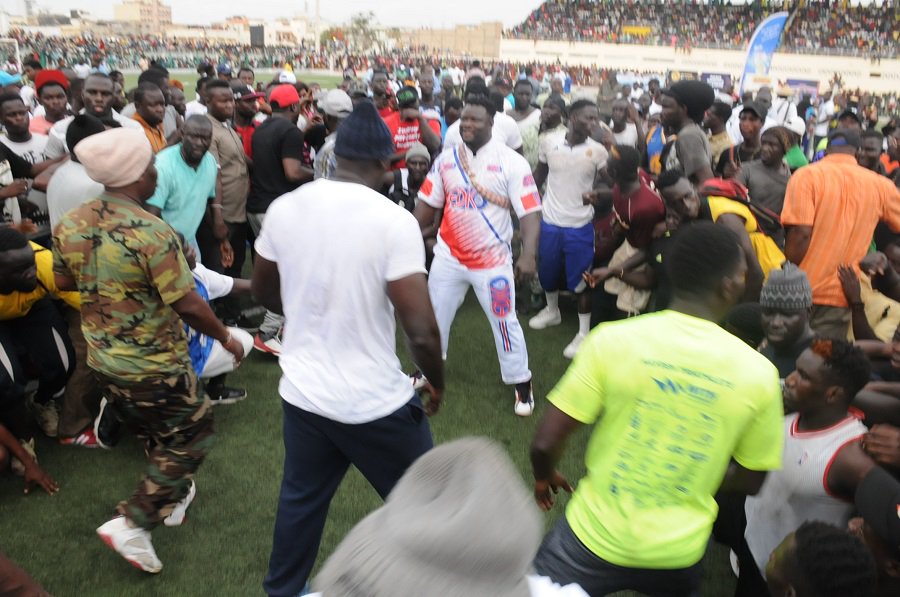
[(681, 409)]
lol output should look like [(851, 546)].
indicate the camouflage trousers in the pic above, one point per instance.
[(177, 427)]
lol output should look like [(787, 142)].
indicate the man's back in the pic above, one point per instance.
[(337, 245), (274, 140), (669, 417), (843, 203)]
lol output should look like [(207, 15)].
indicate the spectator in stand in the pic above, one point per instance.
[(830, 212)]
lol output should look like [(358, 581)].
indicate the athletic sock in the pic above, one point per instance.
[(552, 300), (584, 323)]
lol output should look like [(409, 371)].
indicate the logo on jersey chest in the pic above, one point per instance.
[(465, 198)]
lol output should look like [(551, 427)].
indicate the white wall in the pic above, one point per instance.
[(856, 72)]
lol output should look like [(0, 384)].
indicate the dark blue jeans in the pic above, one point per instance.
[(317, 453), (565, 559)]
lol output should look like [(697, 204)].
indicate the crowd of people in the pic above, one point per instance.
[(869, 29), (733, 263)]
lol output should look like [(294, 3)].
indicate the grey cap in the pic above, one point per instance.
[(786, 289)]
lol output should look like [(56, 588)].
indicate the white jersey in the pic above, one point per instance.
[(33, 152), (56, 146), (505, 129), (571, 172), (799, 491), (474, 230), (629, 136)]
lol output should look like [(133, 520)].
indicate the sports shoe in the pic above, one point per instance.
[(243, 322), (15, 464), (85, 439), (225, 394), (107, 426), (545, 318), (418, 380), (574, 345), (47, 417), (271, 345), (524, 401), (133, 544), (179, 514)]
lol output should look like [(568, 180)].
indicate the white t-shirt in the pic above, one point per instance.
[(339, 359), (82, 70), (69, 187), (474, 231), (505, 129), (571, 172), (824, 114), (56, 146), (194, 107), (539, 586), (627, 137), (32, 151), (530, 120), (27, 94)]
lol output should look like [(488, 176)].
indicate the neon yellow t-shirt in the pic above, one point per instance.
[(674, 398)]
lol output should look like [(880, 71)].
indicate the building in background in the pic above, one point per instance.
[(148, 16)]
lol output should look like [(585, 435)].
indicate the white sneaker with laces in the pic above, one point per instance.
[(524, 404), (574, 345), (545, 318), (176, 518), (133, 544)]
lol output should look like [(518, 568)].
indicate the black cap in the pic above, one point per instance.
[(878, 501), (757, 108), (849, 113), (849, 137)]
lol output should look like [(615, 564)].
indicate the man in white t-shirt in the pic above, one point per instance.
[(571, 163), (505, 129), (824, 114), (345, 399), (97, 97), (70, 185), (27, 145), (475, 184), (623, 125)]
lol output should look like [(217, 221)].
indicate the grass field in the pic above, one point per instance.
[(223, 548)]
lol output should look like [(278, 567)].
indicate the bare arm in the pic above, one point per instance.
[(850, 465), (430, 139), (530, 229), (265, 285), (540, 174), (153, 210), (65, 283), (796, 243), (240, 286), (295, 171), (754, 271), (546, 450), (742, 480), (195, 312)]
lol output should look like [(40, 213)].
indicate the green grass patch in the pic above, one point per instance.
[(223, 548)]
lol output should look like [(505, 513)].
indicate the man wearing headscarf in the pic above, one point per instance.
[(683, 107), (135, 284)]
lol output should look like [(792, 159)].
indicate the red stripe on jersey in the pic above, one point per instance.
[(530, 201), (426, 187)]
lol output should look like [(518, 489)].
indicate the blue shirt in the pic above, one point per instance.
[(182, 192)]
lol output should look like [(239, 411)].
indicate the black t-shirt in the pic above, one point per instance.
[(786, 363), (274, 140)]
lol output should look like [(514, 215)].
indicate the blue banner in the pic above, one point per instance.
[(763, 44)]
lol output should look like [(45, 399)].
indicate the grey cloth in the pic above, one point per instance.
[(765, 185), (459, 523), (786, 289)]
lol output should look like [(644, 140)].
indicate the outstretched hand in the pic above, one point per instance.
[(544, 491)]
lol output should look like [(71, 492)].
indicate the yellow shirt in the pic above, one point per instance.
[(672, 399), (18, 304), (767, 252)]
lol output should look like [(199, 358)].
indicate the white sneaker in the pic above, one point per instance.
[(524, 404), (176, 518), (574, 345), (133, 544), (545, 319)]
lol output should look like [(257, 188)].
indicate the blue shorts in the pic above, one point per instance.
[(565, 252)]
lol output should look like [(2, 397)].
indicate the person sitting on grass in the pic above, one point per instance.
[(22, 461)]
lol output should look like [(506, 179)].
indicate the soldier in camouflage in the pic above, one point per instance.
[(135, 289)]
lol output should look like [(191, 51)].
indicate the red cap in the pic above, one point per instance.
[(284, 95), (45, 76)]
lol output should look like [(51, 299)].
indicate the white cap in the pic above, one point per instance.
[(287, 77)]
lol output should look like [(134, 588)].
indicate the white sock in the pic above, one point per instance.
[(553, 300), (584, 323)]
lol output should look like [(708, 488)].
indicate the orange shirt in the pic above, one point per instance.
[(154, 133), (843, 202)]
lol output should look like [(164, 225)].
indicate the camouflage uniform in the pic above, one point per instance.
[(129, 269)]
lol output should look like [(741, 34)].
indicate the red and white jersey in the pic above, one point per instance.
[(477, 230), (799, 491)]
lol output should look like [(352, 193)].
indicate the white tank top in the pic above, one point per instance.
[(798, 492)]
